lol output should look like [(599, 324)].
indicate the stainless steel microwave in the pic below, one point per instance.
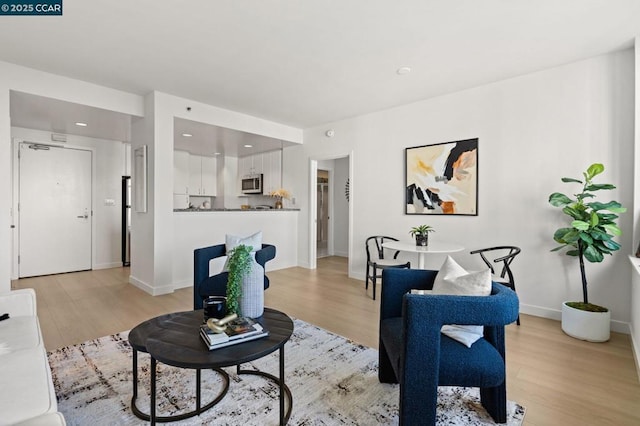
[(252, 184)]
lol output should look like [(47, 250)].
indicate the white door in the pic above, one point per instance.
[(54, 210)]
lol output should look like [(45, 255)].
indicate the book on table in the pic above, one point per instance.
[(237, 331)]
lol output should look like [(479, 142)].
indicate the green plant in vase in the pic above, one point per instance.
[(239, 265), (421, 234), (589, 236)]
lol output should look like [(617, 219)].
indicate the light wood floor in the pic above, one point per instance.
[(560, 380)]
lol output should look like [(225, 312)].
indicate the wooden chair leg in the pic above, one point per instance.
[(375, 274), (366, 279), (512, 286)]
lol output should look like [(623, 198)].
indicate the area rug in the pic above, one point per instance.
[(333, 381)]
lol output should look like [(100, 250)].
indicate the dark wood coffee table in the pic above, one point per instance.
[(174, 339)]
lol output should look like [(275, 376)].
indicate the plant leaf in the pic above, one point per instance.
[(611, 245), (610, 227), (559, 200), (593, 255), (599, 186), (594, 170), (586, 238), (567, 180), (580, 225)]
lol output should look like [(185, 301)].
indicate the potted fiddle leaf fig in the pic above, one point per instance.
[(421, 234), (589, 236)]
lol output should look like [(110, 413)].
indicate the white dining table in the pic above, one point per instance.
[(434, 247)]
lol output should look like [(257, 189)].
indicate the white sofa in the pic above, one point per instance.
[(27, 396)]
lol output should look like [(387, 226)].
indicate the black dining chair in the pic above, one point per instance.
[(505, 254), (376, 260)]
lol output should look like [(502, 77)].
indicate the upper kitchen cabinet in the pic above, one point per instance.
[(272, 171), (250, 165), (202, 175), (180, 172), (268, 164), (209, 173)]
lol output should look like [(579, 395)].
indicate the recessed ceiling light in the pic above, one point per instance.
[(81, 124), (248, 146), (187, 135), (403, 70)]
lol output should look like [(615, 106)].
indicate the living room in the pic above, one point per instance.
[(533, 128)]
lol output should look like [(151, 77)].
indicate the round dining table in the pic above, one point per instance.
[(434, 247)]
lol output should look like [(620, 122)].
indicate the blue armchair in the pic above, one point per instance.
[(416, 355), (216, 285)]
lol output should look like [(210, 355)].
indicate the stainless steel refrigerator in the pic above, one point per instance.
[(126, 220)]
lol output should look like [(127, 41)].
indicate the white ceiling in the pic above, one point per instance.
[(305, 63)]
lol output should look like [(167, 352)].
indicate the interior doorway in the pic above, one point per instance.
[(331, 209), (55, 214), (323, 203)]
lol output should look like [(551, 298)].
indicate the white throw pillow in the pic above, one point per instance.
[(233, 241), (453, 279)]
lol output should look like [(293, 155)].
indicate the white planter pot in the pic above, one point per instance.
[(584, 325)]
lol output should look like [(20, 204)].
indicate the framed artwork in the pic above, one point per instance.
[(442, 178)]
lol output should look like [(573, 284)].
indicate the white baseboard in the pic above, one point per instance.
[(154, 291), (107, 265), (635, 346), (183, 284), (556, 314)]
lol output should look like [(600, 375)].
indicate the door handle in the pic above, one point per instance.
[(84, 216)]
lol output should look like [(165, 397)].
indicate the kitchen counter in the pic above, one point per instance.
[(203, 228), (231, 210)]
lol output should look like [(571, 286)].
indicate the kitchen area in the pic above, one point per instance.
[(217, 169), (229, 182)]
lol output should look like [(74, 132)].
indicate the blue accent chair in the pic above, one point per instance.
[(416, 355), (216, 285)]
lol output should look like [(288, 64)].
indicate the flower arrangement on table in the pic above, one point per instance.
[(279, 194)]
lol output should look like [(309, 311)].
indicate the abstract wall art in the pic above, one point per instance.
[(442, 178)]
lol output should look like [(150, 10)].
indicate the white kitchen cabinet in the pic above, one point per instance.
[(250, 165), (272, 171), (202, 175), (209, 173), (268, 164), (180, 172)]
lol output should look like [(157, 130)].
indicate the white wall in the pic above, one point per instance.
[(13, 77), (532, 131), (340, 214), (109, 166), (194, 230), (152, 264)]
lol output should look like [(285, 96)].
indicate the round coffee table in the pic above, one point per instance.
[(174, 339)]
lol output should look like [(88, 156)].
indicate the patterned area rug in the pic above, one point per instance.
[(333, 382)]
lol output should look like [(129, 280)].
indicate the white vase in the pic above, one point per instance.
[(251, 301), (585, 325)]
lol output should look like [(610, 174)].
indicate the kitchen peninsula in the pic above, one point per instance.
[(195, 228)]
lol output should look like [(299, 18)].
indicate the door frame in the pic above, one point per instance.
[(15, 173), (313, 208)]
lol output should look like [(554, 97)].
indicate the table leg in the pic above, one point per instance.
[(421, 260), (282, 386), (198, 390), (152, 408), (135, 376)]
